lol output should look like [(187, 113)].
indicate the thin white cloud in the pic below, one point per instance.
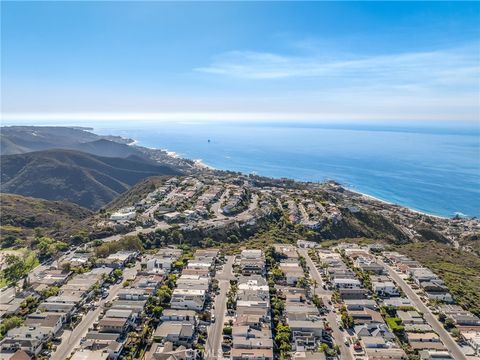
[(446, 67)]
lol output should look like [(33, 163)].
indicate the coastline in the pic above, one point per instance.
[(371, 197), (198, 163)]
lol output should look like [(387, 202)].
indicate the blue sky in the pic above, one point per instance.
[(254, 60)]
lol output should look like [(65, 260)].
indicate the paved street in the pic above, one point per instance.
[(215, 208), (431, 319), (69, 343), (215, 330), (338, 336)]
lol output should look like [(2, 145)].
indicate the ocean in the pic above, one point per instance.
[(430, 168)]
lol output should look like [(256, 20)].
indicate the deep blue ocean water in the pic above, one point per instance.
[(430, 168)]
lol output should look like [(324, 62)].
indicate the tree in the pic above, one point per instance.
[(442, 317), (66, 266), (50, 247), (455, 333), (302, 282), (449, 323), (277, 273), (15, 270), (10, 323), (51, 291), (285, 347), (164, 294), (8, 241), (30, 303), (157, 311), (117, 273)]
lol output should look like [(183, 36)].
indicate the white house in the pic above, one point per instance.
[(160, 264), (192, 299), (124, 214), (347, 283), (386, 288)]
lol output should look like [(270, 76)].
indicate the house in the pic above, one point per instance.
[(292, 272), (252, 320), (304, 244), (119, 259), (460, 316), (191, 299), (385, 289), (136, 306), (14, 355), (353, 294), (398, 302), (148, 283), (254, 283), (120, 314), (343, 283), (251, 354), (132, 294), (252, 266), (193, 282), (9, 303), (289, 251), (124, 214), (178, 333), (420, 275), (159, 264), (179, 315), (420, 327), (301, 311), (360, 304), (410, 317), (437, 290), (435, 355), (167, 351), (365, 316), (373, 342), (86, 354), (369, 265), (60, 304), (472, 337), (97, 346), (385, 354), (48, 320), (113, 325), (314, 327), (252, 262), (425, 341), (50, 277), (374, 329), (26, 338), (172, 216), (245, 337)]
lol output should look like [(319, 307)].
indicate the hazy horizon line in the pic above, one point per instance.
[(223, 116)]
